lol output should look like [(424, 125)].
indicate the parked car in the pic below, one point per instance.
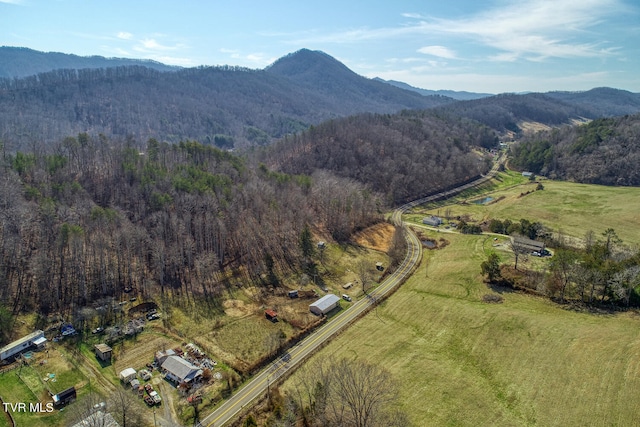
[(149, 400), (98, 330), (346, 297), (148, 388)]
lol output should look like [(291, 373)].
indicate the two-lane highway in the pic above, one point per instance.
[(259, 385), (296, 355)]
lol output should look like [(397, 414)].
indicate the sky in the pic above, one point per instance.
[(491, 46)]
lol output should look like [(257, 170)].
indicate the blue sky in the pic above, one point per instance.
[(481, 46)]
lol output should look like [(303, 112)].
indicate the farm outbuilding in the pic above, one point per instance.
[(324, 304), (64, 397), (32, 341), (127, 375), (103, 352), (271, 315)]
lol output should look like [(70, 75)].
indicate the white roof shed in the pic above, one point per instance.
[(324, 304), (127, 375)]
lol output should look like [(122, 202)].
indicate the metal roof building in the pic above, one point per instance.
[(324, 304), (179, 370)]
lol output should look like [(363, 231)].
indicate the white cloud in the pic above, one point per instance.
[(536, 29), (124, 35), (11, 1), (439, 51), (533, 30), (153, 45)]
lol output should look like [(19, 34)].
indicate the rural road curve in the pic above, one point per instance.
[(297, 354)]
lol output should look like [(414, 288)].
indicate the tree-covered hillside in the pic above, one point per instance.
[(93, 218), (402, 156), (604, 151)]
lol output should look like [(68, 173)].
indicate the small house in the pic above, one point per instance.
[(347, 285), (180, 371), (527, 174), (293, 294), (64, 397), (127, 375), (103, 352), (271, 315), (34, 340), (324, 304), (432, 220), (527, 244)]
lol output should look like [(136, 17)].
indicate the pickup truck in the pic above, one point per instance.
[(156, 397)]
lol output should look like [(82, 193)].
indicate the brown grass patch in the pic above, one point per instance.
[(237, 308), (136, 353), (377, 237)]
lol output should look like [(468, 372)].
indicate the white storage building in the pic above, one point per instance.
[(127, 375), (324, 304)]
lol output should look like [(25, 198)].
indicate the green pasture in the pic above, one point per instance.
[(526, 361), (24, 386), (568, 207)]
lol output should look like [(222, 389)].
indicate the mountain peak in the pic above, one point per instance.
[(306, 63)]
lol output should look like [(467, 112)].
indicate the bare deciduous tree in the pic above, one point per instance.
[(346, 393)]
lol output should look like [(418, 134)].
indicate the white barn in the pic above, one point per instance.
[(324, 304)]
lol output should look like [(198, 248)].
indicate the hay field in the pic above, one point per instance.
[(524, 362)]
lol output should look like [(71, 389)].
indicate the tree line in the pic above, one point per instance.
[(603, 272)]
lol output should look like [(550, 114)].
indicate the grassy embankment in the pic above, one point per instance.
[(526, 361)]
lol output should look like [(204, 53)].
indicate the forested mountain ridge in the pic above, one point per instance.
[(457, 95), (223, 106), (604, 151), (507, 112), (403, 156), (329, 78), (18, 62), (603, 101)]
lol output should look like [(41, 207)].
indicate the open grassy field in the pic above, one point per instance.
[(526, 361)]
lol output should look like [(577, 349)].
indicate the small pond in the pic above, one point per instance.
[(429, 244), (483, 201)]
